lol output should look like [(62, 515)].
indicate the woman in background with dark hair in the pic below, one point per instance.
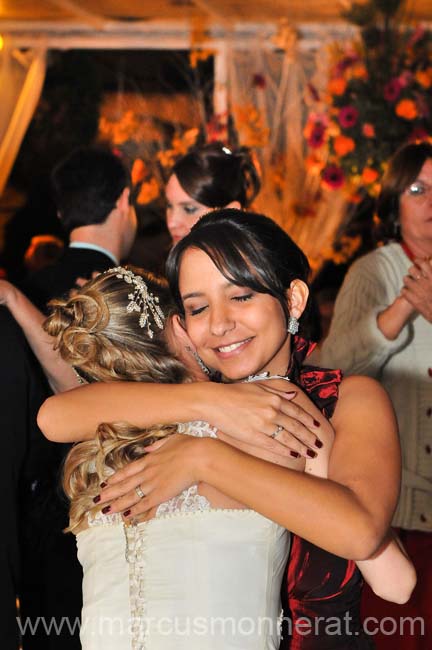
[(382, 327), (206, 178)]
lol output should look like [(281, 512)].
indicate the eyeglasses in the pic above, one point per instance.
[(418, 190)]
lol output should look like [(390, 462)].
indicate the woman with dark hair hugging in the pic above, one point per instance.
[(240, 286)]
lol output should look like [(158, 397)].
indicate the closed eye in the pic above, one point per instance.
[(190, 209), (196, 310), (242, 298)]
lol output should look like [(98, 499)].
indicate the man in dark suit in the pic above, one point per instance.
[(91, 189), (20, 398)]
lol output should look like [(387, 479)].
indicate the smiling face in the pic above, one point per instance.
[(235, 330), (415, 212), (182, 210)]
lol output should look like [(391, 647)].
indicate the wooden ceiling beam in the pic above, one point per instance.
[(90, 18)]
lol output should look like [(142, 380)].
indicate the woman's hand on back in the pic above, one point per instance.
[(169, 468), (252, 413)]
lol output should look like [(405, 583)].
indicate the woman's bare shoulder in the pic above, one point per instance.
[(365, 401), (361, 386)]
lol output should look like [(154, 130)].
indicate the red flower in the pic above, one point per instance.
[(316, 138), (333, 176), (348, 116), (405, 78), (392, 90), (259, 81)]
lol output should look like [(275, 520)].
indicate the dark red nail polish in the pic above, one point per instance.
[(316, 423), (106, 510), (96, 499), (126, 513), (310, 453), (318, 443), (103, 484), (295, 454)]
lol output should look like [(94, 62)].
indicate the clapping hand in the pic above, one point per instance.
[(417, 289)]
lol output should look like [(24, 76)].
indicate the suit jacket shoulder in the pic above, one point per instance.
[(55, 281)]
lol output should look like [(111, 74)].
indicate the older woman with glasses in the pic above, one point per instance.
[(382, 327)]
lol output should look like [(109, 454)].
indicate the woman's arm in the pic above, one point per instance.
[(390, 573), (247, 412), (366, 329), (341, 514), (59, 373)]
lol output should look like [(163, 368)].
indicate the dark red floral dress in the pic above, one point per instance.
[(323, 590)]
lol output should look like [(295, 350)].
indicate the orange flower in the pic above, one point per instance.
[(139, 171), (148, 192), (369, 175), (337, 86), (424, 77), (343, 145), (359, 71), (368, 130), (314, 164), (407, 109)]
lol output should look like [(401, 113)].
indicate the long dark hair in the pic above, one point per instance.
[(404, 167), (250, 250), (214, 175)]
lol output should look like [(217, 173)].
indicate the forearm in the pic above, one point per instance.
[(356, 342), (59, 373), (326, 513), (390, 573), (360, 347), (75, 414), (393, 319)]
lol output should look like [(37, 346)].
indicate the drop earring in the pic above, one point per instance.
[(199, 361), (293, 325)]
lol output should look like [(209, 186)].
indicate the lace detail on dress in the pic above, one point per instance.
[(189, 500), (99, 519), (198, 429)]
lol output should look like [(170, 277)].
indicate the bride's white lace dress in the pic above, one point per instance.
[(192, 578)]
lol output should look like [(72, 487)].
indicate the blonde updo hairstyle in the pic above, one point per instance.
[(103, 341)]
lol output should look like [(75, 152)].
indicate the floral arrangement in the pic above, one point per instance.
[(147, 150), (379, 95)]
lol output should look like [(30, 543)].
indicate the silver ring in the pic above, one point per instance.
[(139, 492), (278, 429)]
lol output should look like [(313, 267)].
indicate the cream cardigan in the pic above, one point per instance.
[(403, 367)]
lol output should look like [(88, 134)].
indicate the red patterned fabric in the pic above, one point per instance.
[(321, 384)]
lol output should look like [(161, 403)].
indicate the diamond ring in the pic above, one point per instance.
[(139, 492), (278, 429)]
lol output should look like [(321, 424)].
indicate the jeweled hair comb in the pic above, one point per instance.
[(141, 300)]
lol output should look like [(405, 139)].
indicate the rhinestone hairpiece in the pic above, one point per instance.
[(141, 300)]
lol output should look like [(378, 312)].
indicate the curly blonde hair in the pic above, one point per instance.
[(103, 341)]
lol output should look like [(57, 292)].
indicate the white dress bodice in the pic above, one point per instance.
[(192, 578)]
